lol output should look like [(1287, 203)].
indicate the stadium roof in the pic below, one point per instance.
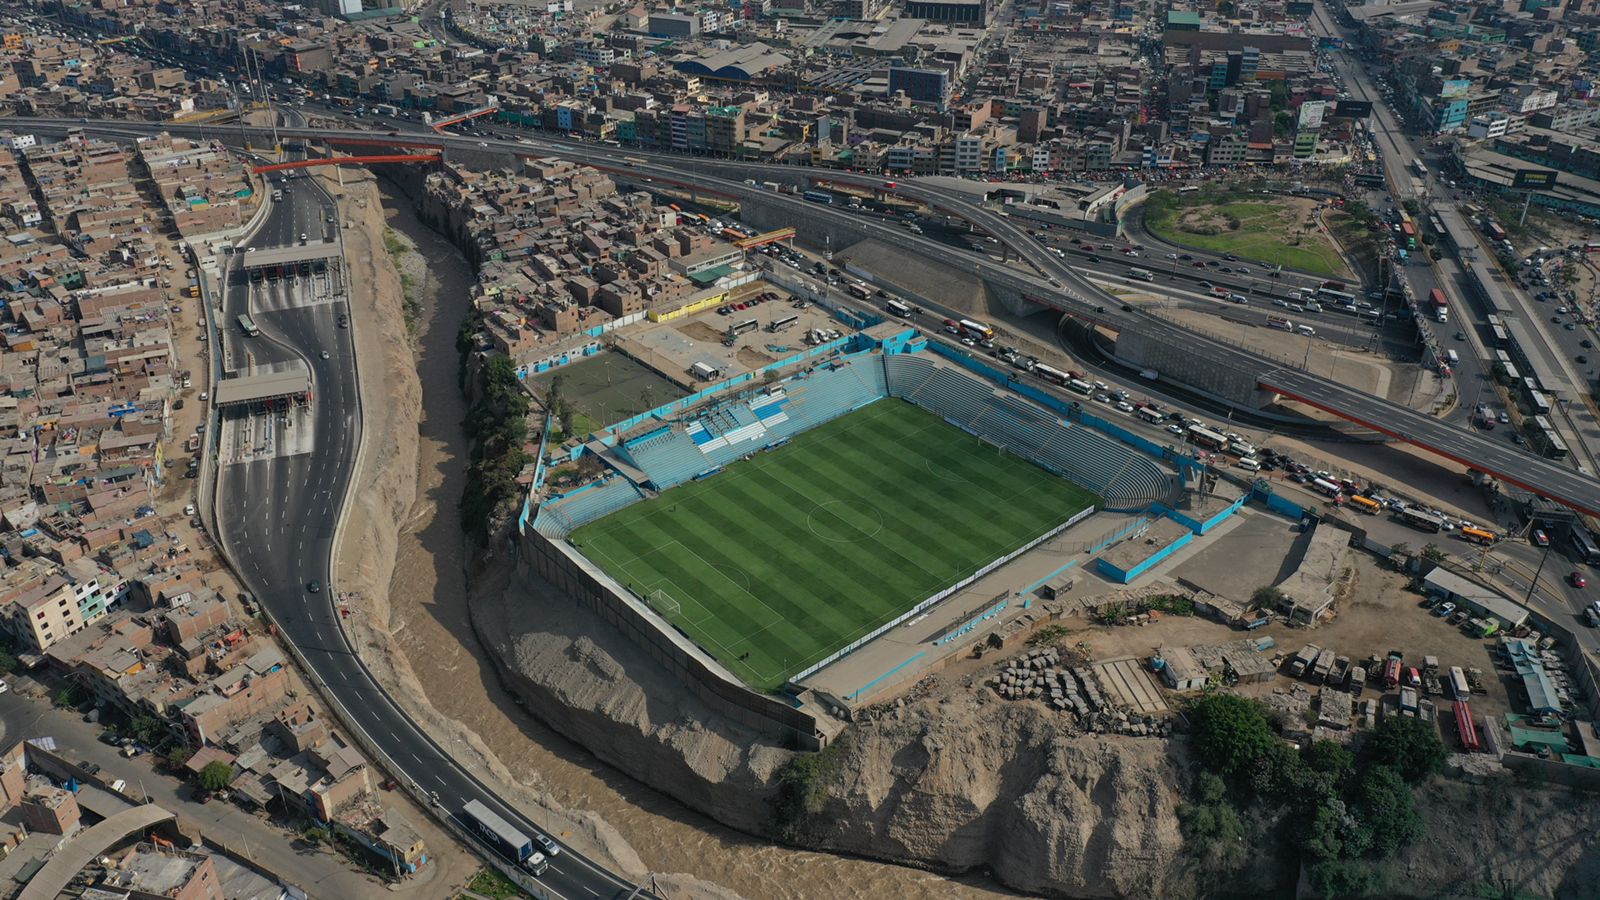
[(81, 849)]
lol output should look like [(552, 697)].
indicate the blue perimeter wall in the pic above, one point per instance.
[(1123, 577)]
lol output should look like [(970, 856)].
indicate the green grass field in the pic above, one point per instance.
[(1267, 231), (784, 558)]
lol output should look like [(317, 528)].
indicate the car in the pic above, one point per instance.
[(88, 767), (1444, 610), (314, 587), (1244, 270), (1461, 335), (302, 237), (1102, 398), (1540, 539), (1516, 438), (1586, 344), (1227, 270), (324, 354), (1186, 257), (1172, 256), (1570, 327), (1124, 406), (1504, 417), (1578, 580), (1581, 360), (1093, 258), (551, 848), (1175, 429), (1212, 262), (189, 510)]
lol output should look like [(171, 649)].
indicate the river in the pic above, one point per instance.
[(428, 597)]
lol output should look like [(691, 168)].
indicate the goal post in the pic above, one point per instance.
[(664, 604)]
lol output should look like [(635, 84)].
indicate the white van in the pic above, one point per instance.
[(1454, 357), (1592, 614), (1249, 464), (1313, 306), (1294, 295), (1306, 330)]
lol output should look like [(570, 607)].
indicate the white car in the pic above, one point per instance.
[(189, 510), (1175, 429), (1172, 256), (1124, 406), (551, 848)]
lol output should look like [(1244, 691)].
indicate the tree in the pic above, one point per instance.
[(8, 662), (1342, 878), (216, 775), (1383, 802), (1400, 549), (1267, 597), (147, 730), (1432, 553), (1334, 832), (1409, 746), (1325, 767), (1230, 734)]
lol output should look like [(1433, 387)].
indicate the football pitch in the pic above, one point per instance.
[(784, 558)]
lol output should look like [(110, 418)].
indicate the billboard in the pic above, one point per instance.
[(1311, 114), (1533, 179), (1355, 109), (1455, 87)]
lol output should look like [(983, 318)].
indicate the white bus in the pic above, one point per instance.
[(1189, 189), (1150, 415), (1339, 297), (1054, 376), (897, 308), (1205, 437), (1080, 387)]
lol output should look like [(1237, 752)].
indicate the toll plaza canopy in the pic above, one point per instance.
[(263, 386), (288, 256)]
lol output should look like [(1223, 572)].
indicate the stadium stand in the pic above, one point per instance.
[(560, 518), (1123, 476)]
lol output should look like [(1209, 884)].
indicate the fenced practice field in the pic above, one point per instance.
[(785, 557)]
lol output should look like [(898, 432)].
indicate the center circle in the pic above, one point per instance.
[(845, 521)]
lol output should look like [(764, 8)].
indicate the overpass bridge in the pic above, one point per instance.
[(1209, 367)]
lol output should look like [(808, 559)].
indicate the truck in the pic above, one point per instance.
[(1391, 669), (499, 834), (1280, 322), (1323, 667), (1341, 671), (386, 109), (1303, 660), (1357, 681)]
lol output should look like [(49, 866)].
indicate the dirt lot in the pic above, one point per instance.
[(1383, 617)]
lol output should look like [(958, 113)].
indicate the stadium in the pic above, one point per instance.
[(764, 528)]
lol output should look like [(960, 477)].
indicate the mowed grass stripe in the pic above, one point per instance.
[(762, 517)]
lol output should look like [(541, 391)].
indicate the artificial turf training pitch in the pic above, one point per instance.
[(784, 558)]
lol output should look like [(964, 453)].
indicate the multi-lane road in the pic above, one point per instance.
[(280, 513)]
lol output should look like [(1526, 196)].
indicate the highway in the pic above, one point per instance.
[(282, 514)]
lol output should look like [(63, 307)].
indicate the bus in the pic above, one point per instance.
[(977, 330), (499, 834), (782, 324), (1326, 488), (1539, 402), (1366, 504), (1141, 274), (1554, 446), (1054, 376), (895, 307), (1420, 168), (248, 325), (1458, 683), (1422, 521), (1501, 338), (1201, 436), (1153, 416), (818, 196), (1189, 189), (859, 290), (1408, 235), (1583, 546), (1478, 536), (1332, 296), (1078, 386), (746, 326)]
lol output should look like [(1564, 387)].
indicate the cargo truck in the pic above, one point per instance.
[(497, 833), (1303, 660)]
